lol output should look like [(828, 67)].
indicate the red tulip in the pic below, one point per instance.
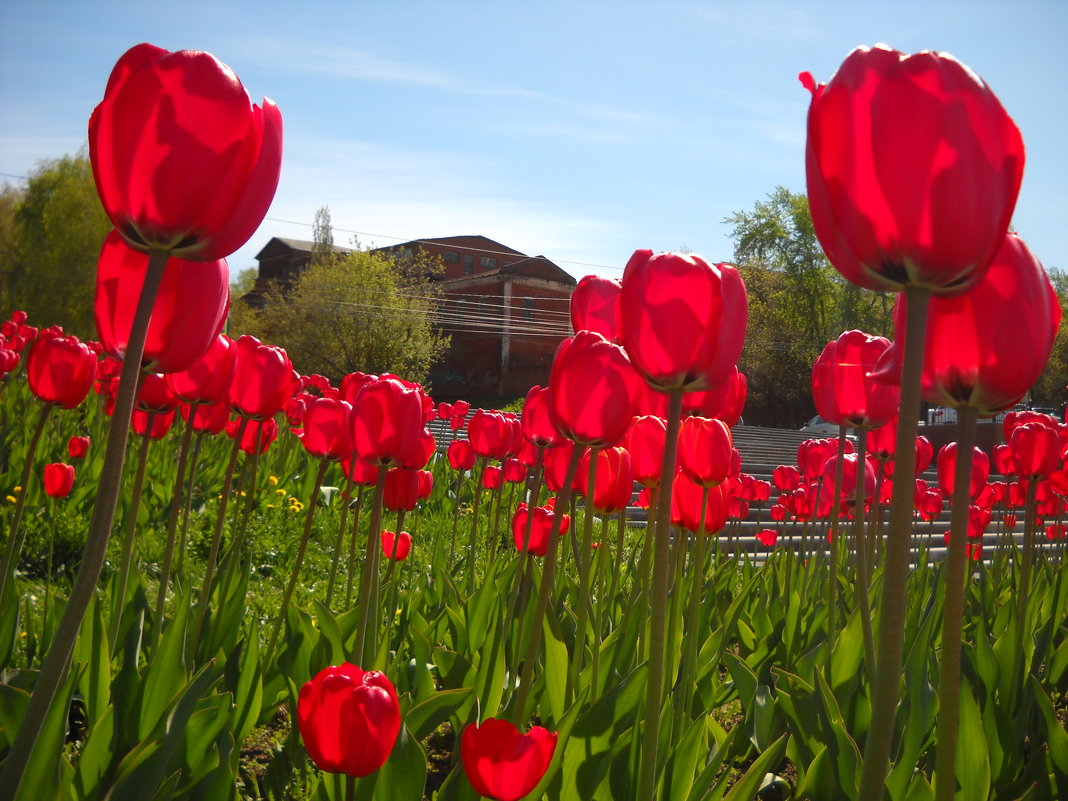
[(58, 479), (351, 385), (682, 320), (208, 418), (843, 385), (705, 450), (536, 420), (555, 464), (768, 537), (1036, 450), (403, 545), (786, 477), (930, 504), (645, 442), (850, 470), (461, 455), (930, 208), (9, 360), (614, 482), (401, 490), (263, 380), (986, 348), (78, 447), (724, 402), (490, 434), (503, 764), (947, 470), (161, 423), (491, 477), (360, 471), (328, 429), (686, 505), (591, 390), (208, 379), (387, 424), (349, 719), (514, 471), (258, 436), (154, 394), (540, 530), (187, 316), (595, 306), (60, 370), (183, 161)]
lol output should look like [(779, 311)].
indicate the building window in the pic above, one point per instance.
[(450, 256), (469, 264), (528, 308), (487, 261)]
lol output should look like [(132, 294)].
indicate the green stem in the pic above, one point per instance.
[(188, 506), (953, 614), (213, 556), (172, 530), (14, 539), (119, 601), (685, 682), (563, 498), (297, 562), (54, 668), (896, 554), (585, 611), (339, 545), (860, 559), (368, 576), (660, 587), (352, 547), (524, 554), (833, 549), (472, 540)]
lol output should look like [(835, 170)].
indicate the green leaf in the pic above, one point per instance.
[(96, 755), (973, 758), (93, 651), (678, 775), (556, 666), (42, 779), (164, 676), (848, 652), (1056, 738), (403, 777), (9, 623), (430, 713), (747, 786)]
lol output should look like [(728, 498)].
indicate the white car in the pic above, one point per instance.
[(819, 427)]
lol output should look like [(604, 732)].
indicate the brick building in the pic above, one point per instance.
[(505, 311)]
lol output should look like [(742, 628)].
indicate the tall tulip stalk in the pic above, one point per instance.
[(892, 214), (682, 323), (176, 178)]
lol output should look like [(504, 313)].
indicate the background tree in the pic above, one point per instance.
[(1049, 391), (355, 312), (797, 303), (51, 231)]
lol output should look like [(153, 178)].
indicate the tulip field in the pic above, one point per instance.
[(224, 580), (200, 700)]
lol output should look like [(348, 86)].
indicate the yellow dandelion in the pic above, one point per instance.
[(272, 480), (270, 506), (17, 490), (12, 499), (281, 493)]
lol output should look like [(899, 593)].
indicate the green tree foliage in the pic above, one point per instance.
[(1049, 390), (51, 231), (357, 312), (797, 303)]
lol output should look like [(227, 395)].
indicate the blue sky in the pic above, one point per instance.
[(578, 130)]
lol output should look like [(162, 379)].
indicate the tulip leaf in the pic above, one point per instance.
[(747, 786), (556, 666), (9, 623), (430, 713), (1056, 738), (165, 674), (848, 652), (403, 777), (973, 753), (96, 754), (92, 651), (43, 776), (677, 778)]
